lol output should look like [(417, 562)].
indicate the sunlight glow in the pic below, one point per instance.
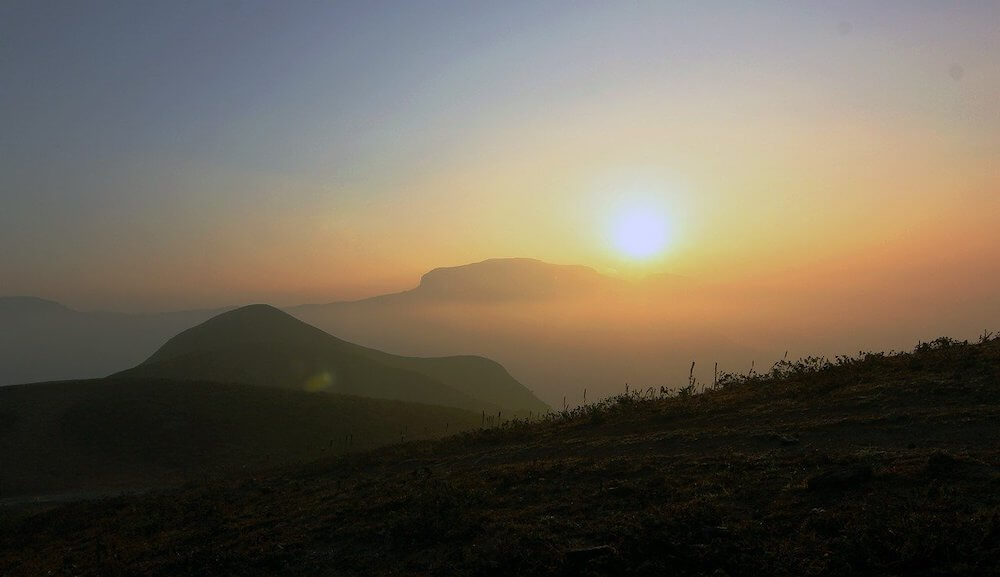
[(641, 233)]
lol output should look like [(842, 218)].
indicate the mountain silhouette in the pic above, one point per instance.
[(503, 280), (261, 345), (512, 279), (556, 327)]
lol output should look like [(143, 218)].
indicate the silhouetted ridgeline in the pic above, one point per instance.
[(507, 279), (261, 345), (561, 327)]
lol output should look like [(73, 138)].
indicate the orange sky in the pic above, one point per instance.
[(781, 147)]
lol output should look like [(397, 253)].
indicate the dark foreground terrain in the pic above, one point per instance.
[(102, 435), (872, 465)]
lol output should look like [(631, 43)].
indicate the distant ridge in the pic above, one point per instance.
[(261, 345), (511, 279), (559, 328), (43, 340), (29, 304), (499, 280), (497, 308)]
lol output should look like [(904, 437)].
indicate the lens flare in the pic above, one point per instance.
[(319, 382)]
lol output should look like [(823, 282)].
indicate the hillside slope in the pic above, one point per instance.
[(136, 433), (876, 465), (261, 345)]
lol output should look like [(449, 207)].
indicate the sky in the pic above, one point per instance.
[(170, 155)]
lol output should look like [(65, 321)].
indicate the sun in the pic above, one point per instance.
[(641, 232)]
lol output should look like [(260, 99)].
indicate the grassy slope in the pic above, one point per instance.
[(93, 435), (726, 483)]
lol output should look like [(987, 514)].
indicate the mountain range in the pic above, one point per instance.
[(557, 328)]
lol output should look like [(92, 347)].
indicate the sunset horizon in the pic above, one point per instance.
[(510, 288), (857, 131)]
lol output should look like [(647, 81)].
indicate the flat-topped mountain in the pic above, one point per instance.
[(501, 280), (261, 345), (512, 279)]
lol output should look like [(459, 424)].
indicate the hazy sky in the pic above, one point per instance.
[(162, 155)]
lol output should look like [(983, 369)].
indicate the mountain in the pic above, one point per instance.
[(88, 437), (557, 328), (261, 345), (41, 340), (508, 279)]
